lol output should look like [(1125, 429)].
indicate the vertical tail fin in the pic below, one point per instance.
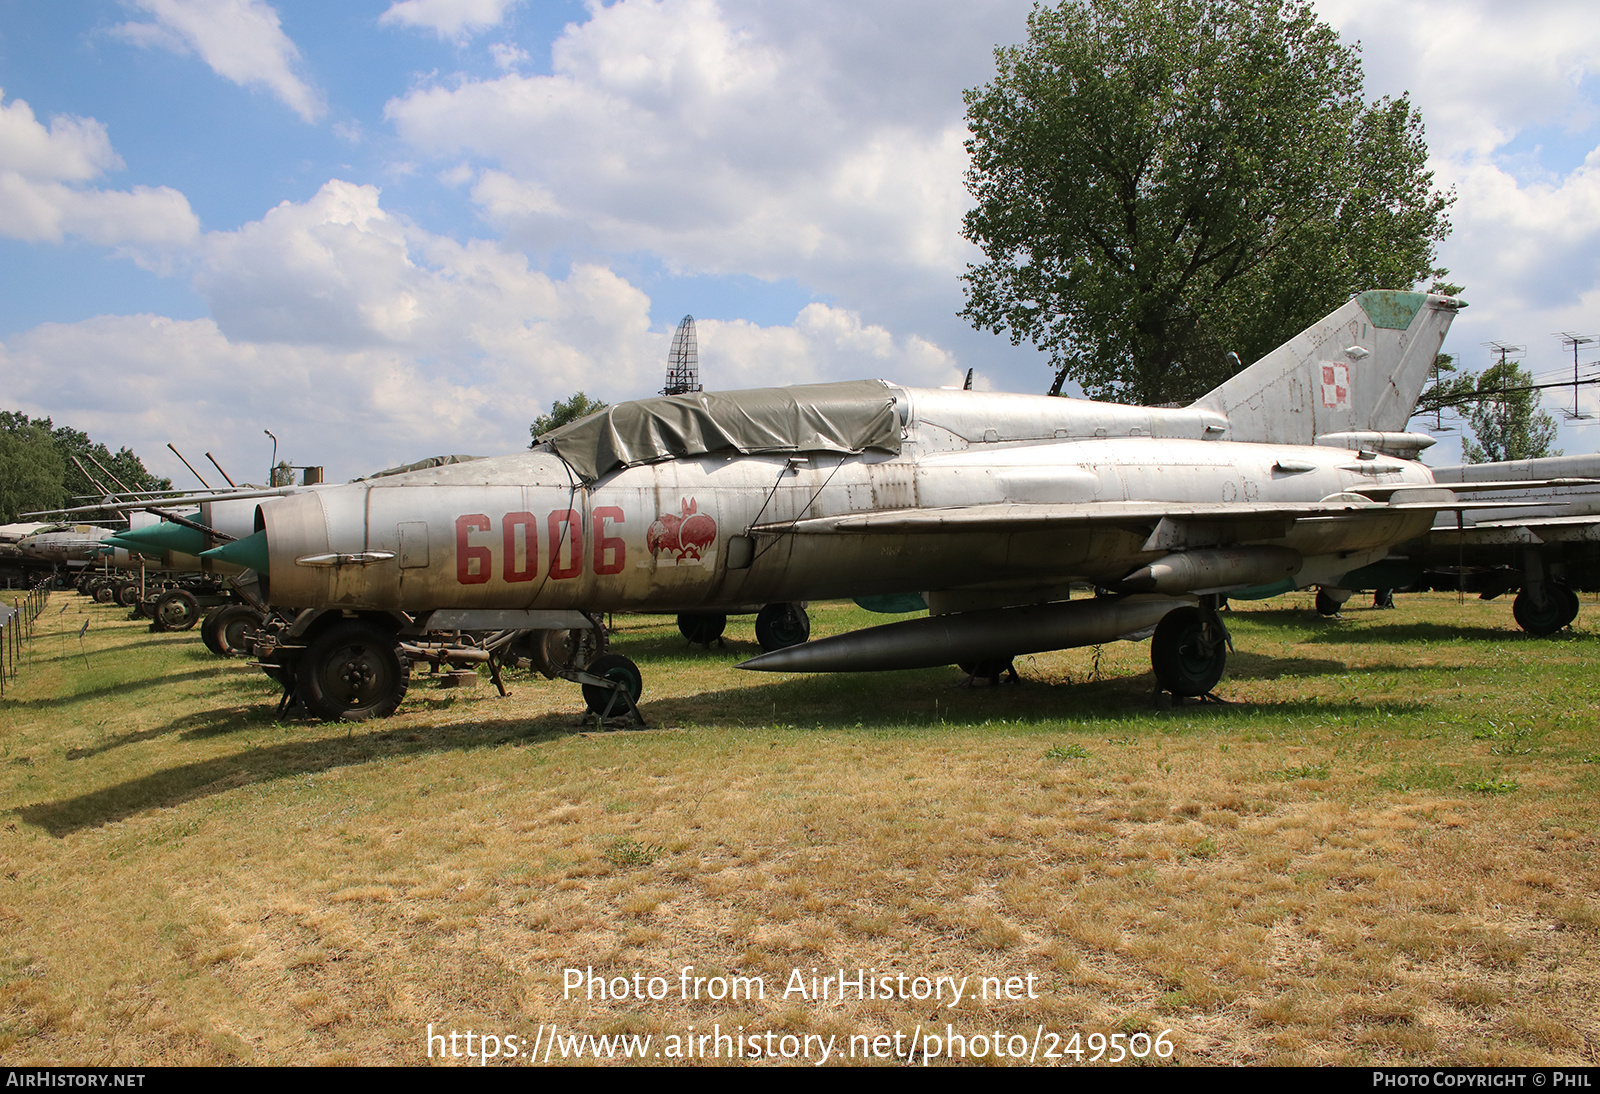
[(1360, 370)]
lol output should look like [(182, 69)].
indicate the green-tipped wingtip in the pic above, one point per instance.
[(249, 552), (132, 546), (166, 536)]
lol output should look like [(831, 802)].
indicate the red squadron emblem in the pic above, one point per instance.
[(685, 534)]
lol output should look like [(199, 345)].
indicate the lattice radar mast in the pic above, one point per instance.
[(683, 362)]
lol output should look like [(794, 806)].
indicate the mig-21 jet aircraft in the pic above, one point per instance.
[(988, 507)]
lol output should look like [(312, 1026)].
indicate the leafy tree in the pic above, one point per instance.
[(1161, 183), (39, 453), (1507, 423), (1447, 387), (577, 406), (126, 467), (30, 468)]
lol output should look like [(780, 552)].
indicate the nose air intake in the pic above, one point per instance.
[(290, 529)]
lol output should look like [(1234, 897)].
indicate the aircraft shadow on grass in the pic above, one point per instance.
[(204, 778), (72, 652), (1407, 634), (1255, 666), (907, 701), (196, 726), (792, 706), (122, 687)]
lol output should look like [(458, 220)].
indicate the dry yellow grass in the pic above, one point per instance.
[(1383, 851)]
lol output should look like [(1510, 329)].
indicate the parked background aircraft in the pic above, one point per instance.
[(1545, 542), (73, 545)]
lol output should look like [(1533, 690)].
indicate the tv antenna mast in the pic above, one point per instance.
[(1505, 350), (1509, 354), (683, 361), (1575, 340)]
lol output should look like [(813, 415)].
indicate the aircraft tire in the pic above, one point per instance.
[(238, 630), (104, 592), (615, 667), (555, 652), (1546, 618), (209, 632), (702, 628), (1327, 605), (224, 629), (175, 610), (779, 626), (1571, 604), (353, 671), (128, 594), (991, 669), (1178, 654)]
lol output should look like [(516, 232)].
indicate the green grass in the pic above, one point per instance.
[(1382, 849)]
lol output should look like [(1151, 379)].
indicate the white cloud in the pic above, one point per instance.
[(71, 150), (1483, 71), (737, 138), (42, 198), (823, 343), (360, 411), (340, 271), (507, 56), (364, 341), (241, 40), (447, 18)]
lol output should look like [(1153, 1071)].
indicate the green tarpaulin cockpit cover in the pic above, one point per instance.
[(848, 417)]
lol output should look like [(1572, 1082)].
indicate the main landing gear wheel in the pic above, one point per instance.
[(226, 630), (1327, 604), (1188, 655), (701, 628), (176, 610), (992, 669), (779, 626), (1571, 598), (209, 632), (1539, 618), (104, 592), (555, 652), (352, 671), (128, 594), (604, 701)]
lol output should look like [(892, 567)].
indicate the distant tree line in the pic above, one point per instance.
[(37, 471)]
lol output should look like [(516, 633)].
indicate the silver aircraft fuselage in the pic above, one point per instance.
[(716, 530)]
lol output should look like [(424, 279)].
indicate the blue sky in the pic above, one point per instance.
[(389, 229)]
